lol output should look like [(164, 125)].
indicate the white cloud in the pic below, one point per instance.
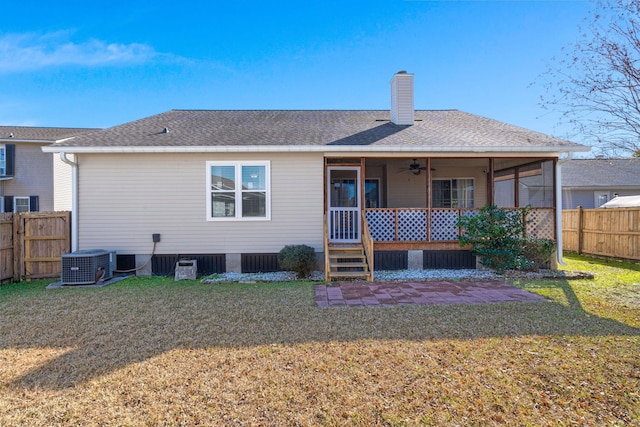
[(32, 51)]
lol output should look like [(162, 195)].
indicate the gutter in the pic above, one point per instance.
[(544, 150), (559, 208), (74, 200)]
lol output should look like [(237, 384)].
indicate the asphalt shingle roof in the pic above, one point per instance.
[(601, 173), (211, 128), (44, 134)]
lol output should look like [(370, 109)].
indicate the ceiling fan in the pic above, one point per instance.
[(414, 168)]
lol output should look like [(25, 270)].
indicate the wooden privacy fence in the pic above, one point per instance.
[(32, 244), (604, 232)]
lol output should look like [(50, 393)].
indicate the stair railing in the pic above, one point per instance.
[(327, 268), (367, 243)]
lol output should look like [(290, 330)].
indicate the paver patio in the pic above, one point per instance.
[(419, 293)]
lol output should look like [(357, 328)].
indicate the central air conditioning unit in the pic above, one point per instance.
[(85, 267)]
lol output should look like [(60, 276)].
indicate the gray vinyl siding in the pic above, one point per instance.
[(126, 198), (33, 175), (571, 199)]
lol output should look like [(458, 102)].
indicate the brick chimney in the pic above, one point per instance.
[(402, 98)]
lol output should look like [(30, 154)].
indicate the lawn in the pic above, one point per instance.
[(151, 351)]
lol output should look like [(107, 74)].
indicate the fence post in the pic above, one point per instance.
[(17, 252), (579, 230)]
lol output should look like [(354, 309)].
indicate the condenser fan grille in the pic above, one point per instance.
[(80, 267)]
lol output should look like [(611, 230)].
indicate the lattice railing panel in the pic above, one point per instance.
[(412, 225), (540, 223), (382, 224), (443, 224)]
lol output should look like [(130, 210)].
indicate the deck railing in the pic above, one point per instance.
[(440, 224)]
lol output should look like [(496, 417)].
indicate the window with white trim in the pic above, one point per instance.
[(238, 190), (452, 193), (21, 204)]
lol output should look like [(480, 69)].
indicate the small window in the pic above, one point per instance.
[(452, 193), (3, 160), (238, 190), (600, 198), (21, 204)]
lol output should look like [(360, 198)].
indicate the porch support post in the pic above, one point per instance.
[(428, 199), (363, 196), (558, 209), (414, 259), (490, 181)]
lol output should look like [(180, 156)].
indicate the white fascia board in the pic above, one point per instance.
[(537, 150)]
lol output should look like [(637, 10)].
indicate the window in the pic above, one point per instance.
[(372, 193), (21, 204), (238, 190), (600, 198), (7, 159), (452, 193), (3, 160)]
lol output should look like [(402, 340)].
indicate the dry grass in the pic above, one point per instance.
[(149, 351)]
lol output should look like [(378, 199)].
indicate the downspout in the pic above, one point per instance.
[(559, 208), (74, 200)]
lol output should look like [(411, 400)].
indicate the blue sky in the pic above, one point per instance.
[(99, 64)]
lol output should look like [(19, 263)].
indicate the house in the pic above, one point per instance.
[(27, 175), (232, 188), (592, 182)]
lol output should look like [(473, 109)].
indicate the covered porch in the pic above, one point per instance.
[(410, 204)]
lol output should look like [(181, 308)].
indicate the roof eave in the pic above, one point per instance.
[(547, 149)]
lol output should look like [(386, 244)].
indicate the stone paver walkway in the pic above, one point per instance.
[(419, 293)]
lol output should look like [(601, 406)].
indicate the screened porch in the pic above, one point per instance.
[(415, 203)]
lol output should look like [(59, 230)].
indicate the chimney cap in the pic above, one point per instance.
[(402, 72)]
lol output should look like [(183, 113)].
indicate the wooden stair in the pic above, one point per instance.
[(348, 262)]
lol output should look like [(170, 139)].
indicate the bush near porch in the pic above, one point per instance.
[(498, 237)]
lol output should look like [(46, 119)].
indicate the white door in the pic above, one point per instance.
[(343, 201)]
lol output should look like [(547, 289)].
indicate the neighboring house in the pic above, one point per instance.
[(592, 182), (27, 175), (232, 188)]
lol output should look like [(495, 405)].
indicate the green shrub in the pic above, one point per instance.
[(538, 251), (496, 236), (300, 259)]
